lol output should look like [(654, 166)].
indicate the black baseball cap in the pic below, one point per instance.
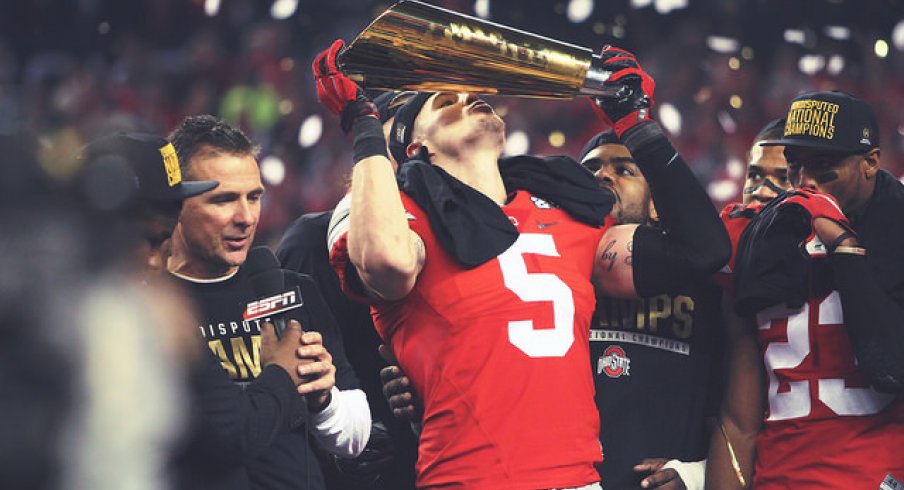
[(151, 159), (607, 137), (401, 134), (830, 121), (384, 102)]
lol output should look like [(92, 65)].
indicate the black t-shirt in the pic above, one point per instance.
[(655, 363), (272, 445), (303, 248), (880, 230)]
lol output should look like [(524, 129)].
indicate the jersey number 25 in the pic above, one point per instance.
[(833, 392)]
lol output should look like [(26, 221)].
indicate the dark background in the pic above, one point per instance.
[(71, 70)]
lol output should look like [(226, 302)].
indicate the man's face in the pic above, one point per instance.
[(449, 122), (843, 175), (614, 168), (765, 163), (216, 228)]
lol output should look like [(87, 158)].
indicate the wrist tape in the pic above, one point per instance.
[(369, 140)]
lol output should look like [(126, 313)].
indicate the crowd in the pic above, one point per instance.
[(72, 72), (759, 347)]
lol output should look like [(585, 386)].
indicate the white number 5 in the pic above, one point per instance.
[(553, 342)]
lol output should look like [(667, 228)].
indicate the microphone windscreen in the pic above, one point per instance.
[(264, 272)]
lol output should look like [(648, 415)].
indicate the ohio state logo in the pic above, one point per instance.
[(614, 362)]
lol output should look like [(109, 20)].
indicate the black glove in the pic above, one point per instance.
[(376, 458), (632, 103)]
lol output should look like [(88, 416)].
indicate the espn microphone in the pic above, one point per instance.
[(268, 283)]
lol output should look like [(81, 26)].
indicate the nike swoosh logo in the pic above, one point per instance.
[(546, 225)]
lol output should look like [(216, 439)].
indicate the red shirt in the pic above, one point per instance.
[(508, 404), (825, 427)]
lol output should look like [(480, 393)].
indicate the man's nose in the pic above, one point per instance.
[(807, 181), (605, 175), (243, 215), (765, 192)]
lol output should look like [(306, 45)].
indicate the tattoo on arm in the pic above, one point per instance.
[(609, 255), (630, 256)]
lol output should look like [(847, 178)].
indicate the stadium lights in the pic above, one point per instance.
[(794, 36), (579, 10), (482, 9), (836, 64), (881, 48), (666, 6), (811, 63), (734, 168), (211, 7), (897, 35), (273, 170), (722, 190), (670, 118), (283, 9), (516, 143), (722, 44), (839, 33), (727, 122), (310, 131)]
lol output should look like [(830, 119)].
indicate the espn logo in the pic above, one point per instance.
[(272, 305)]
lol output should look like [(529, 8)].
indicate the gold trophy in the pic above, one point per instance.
[(416, 46)]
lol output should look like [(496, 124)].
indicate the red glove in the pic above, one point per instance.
[(817, 205), (631, 105), (338, 93)]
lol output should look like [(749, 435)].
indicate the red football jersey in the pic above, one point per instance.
[(735, 217), (825, 426), (498, 355)]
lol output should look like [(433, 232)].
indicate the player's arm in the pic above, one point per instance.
[(386, 254), (672, 474), (873, 312), (341, 419), (613, 273), (690, 241), (874, 320), (732, 450), (245, 420)]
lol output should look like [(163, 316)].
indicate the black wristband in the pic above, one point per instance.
[(837, 241), (369, 140), (321, 407)]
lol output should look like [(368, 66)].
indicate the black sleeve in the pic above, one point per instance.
[(691, 241), (315, 315), (303, 245), (229, 416), (875, 322)]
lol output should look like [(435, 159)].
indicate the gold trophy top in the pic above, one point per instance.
[(416, 46)]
